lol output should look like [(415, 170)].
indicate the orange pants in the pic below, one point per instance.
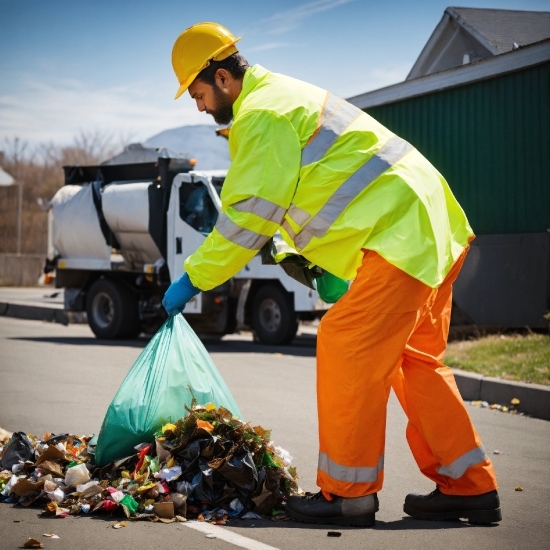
[(388, 330)]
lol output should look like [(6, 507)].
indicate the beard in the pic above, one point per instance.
[(223, 112)]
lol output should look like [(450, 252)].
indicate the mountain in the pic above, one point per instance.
[(199, 142)]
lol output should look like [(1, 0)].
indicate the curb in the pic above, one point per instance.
[(38, 313), (534, 398)]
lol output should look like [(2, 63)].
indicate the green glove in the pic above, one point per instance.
[(330, 287)]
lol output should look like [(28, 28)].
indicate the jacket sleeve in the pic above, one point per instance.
[(257, 191)]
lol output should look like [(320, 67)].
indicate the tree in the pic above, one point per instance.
[(39, 171)]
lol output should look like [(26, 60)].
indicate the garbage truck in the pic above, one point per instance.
[(120, 232)]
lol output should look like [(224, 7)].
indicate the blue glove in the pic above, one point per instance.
[(178, 294)]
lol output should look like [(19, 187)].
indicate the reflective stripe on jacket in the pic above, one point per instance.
[(334, 181)]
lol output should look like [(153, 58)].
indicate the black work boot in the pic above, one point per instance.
[(358, 511), (483, 508)]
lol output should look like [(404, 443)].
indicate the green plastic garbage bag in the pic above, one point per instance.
[(173, 369), (330, 287)]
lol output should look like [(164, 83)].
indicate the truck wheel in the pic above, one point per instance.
[(112, 310), (273, 317)]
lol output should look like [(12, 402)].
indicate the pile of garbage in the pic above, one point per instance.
[(208, 465)]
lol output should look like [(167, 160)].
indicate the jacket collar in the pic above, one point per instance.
[(252, 77)]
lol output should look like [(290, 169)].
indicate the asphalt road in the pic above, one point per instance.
[(61, 379)]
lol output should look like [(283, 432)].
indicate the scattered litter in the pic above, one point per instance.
[(210, 536), (33, 543), (334, 534), (50, 535), (497, 452), (119, 525), (519, 488), (511, 409), (52, 509), (209, 465)]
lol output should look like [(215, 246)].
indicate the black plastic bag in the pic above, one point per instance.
[(208, 486), (19, 449), (189, 458), (241, 472)]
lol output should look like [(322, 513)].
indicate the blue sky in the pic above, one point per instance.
[(71, 65)]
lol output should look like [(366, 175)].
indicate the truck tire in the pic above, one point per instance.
[(274, 320), (112, 310)]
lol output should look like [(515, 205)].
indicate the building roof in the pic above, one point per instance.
[(504, 28), (512, 61), (5, 178), (466, 35)]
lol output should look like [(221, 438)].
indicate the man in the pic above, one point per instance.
[(364, 205)]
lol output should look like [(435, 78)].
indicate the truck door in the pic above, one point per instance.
[(192, 213)]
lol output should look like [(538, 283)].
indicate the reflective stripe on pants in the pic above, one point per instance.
[(390, 329), (352, 474)]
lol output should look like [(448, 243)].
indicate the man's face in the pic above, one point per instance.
[(213, 100)]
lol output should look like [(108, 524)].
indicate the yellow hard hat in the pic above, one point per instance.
[(196, 47)]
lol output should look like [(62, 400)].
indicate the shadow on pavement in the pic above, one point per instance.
[(404, 524), (407, 524), (84, 341), (303, 346)]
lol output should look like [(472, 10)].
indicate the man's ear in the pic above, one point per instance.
[(222, 78)]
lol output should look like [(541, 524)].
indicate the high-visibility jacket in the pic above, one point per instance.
[(334, 181)]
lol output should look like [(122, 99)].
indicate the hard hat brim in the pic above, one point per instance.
[(185, 85)]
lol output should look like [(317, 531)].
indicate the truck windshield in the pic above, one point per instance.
[(197, 208)]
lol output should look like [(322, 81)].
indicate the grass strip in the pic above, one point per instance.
[(510, 357)]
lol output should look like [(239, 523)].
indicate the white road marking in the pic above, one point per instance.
[(228, 536)]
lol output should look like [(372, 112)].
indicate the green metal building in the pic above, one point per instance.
[(491, 140), (486, 127)]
